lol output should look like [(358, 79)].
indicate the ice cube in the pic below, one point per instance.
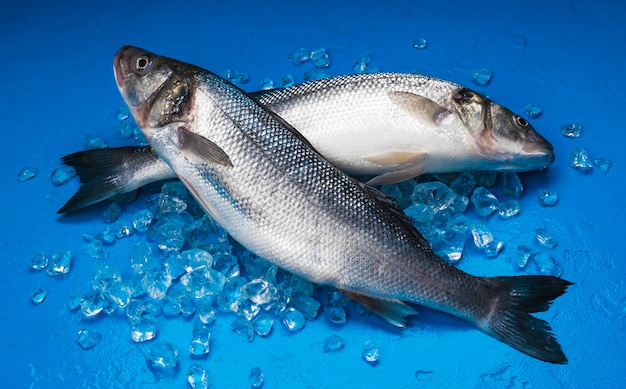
[(314, 75), (287, 81), (305, 304), (126, 130), (482, 76), (256, 377), (260, 291), (94, 142), (292, 319), (546, 264), (74, 301), (106, 276), (299, 57), (603, 164), (571, 130), (200, 341), (333, 343), (168, 203), (532, 110), (509, 208), (141, 258), (39, 294), (122, 114), (92, 304), (88, 339), (522, 256), (263, 324), (120, 294), (235, 76), (39, 261), (336, 315), (60, 263), (27, 173), (484, 201), (579, 159), (464, 184), (545, 238), (420, 44), (493, 249), (170, 237), (266, 84), (144, 329), (320, 58), (370, 353), (156, 284), (360, 65), (547, 198), (511, 185), (195, 259), (197, 377), (163, 355), (142, 220), (123, 230), (203, 282), (206, 313), (62, 175), (95, 250), (481, 234)]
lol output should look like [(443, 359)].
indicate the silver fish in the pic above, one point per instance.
[(275, 194), (385, 127)]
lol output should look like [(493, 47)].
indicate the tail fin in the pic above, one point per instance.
[(511, 321), (106, 173)]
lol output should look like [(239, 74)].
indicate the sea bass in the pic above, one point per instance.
[(382, 127), (275, 194)]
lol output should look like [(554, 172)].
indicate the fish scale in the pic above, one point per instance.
[(275, 194)]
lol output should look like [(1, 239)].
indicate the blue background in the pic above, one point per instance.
[(58, 86)]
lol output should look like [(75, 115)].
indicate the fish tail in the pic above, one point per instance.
[(510, 319), (102, 174)]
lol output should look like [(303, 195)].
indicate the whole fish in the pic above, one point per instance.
[(385, 127), (274, 193)]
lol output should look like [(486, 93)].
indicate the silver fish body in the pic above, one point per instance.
[(275, 194), (382, 127)]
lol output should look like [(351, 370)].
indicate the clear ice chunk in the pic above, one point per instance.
[(62, 175), (333, 343), (156, 284), (299, 285), (287, 81), (39, 294), (126, 130), (371, 353), (299, 57), (74, 301), (292, 319), (203, 283), (168, 203), (39, 261), (197, 377), (336, 299), (88, 339), (493, 249), (263, 324), (106, 276), (122, 114), (511, 185), (532, 110), (603, 164), (522, 256), (60, 263), (27, 173), (314, 75), (421, 215), (545, 238), (259, 291), (420, 44), (579, 159), (256, 377), (170, 237), (266, 84), (235, 76), (200, 341), (547, 198), (142, 220), (484, 201), (206, 313), (120, 294), (571, 130), (361, 64), (449, 244), (123, 231), (509, 208), (258, 267), (464, 184), (141, 258), (143, 329), (92, 304), (546, 264), (482, 76), (307, 305), (336, 315), (95, 250), (163, 355), (320, 58), (195, 259), (94, 142), (481, 234)]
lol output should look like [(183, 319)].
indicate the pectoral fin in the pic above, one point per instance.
[(392, 158), (394, 311), (197, 146), (424, 109)]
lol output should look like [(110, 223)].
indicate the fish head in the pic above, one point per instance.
[(507, 140), (157, 90)]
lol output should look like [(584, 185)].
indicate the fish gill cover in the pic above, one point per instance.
[(65, 280)]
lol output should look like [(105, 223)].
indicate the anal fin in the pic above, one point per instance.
[(394, 311)]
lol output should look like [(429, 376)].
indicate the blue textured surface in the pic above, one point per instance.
[(58, 86)]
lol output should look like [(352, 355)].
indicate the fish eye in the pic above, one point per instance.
[(520, 121), (143, 63)]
